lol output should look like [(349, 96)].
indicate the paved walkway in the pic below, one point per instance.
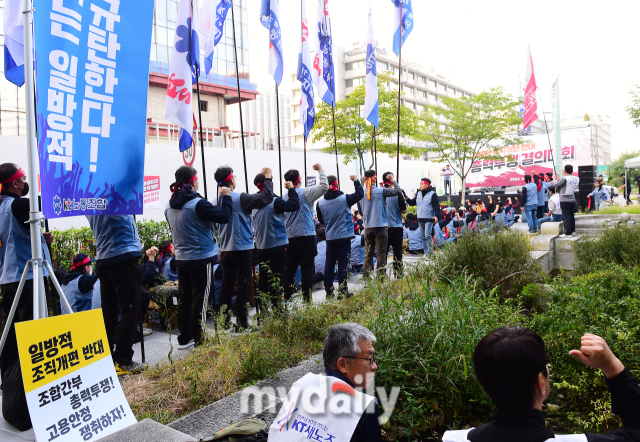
[(160, 344)]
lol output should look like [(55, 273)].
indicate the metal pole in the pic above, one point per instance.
[(235, 50), (375, 147), (279, 147), (204, 170), (333, 113), (305, 161), (399, 89)]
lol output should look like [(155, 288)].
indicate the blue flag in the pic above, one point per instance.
[(210, 27), (403, 23), (323, 73), (270, 19), (371, 97), (14, 42)]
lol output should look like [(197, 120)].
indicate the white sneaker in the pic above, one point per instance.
[(146, 331), (563, 235), (186, 346)]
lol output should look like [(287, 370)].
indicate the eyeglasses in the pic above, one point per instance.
[(372, 359)]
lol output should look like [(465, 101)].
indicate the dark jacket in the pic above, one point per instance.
[(529, 425), (368, 428), (204, 209), (85, 284), (411, 225), (249, 201), (19, 208)]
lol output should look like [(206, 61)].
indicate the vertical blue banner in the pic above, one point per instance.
[(92, 80)]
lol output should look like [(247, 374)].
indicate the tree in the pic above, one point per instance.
[(355, 134), (616, 168), (469, 129), (634, 109)]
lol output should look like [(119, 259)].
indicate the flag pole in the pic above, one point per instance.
[(375, 147), (305, 161), (235, 50), (333, 110), (204, 170), (399, 89), (304, 128), (279, 149)]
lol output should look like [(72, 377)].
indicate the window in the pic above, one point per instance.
[(350, 82), (296, 108), (432, 85), (442, 87), (299, 139), (452, 92), (433, 98), (394, 69), (422, 79), (419, 109), (382, 66), (204, 106), (353, 65), (296, 93), (348, 66), (412, 76), (422, 94), (354, 82), (408, 89)]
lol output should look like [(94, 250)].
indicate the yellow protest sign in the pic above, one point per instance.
[(73, 392)]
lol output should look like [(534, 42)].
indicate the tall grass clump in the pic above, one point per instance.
[(494, 259), (425, 340), (617, 245)]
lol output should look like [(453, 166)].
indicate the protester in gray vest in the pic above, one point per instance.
[(236, 246), (334, 211), (302, 232), (78, 285), (396, 207), (167, 261), (15, 251), (271, 235), (566, 187), (191, 219), (426, 200), (374, 212)]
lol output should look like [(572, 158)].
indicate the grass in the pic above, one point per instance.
[(633, 209)]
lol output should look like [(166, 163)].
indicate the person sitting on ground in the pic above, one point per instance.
[(349, 363), (356, 259), (555, 212), (79, 285), (167, 261), (412, 233), (321, 256), (511, 365)]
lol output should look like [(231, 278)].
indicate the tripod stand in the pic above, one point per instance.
[(37, 262)]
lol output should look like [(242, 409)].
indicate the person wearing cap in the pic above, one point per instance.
[(78, 285), (15, 251), (627, 187), (334, 211), (191, 219), (396, 207), (429, 212), (302, 233), (376, 223), (167, 261), (236, 245), (271, 235)]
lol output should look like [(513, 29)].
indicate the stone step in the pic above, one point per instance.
[(146, 431)]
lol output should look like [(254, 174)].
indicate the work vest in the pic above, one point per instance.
[(269, 228), (300, 223), (15, 245), (415, 240), (532, 194), (461, 436), (338, 222), (510, 216), (115, 235), (165, 266), (333, 412), (357, 251), (393, 212), (541, 194), (501, 218), (96, 301), (545, 188), (321, 257), (374, 210), (425, 209), (193, 237), (236, 235), (438, 235), (78, 301)]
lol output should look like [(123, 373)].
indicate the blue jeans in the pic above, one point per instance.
[(546, 219), (532, 219), (427, 239)]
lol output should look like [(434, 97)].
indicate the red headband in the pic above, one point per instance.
[(195, 177), (19, 174), (260, 186), (80, 264), (334, 186), (229, 178), (297, 181)]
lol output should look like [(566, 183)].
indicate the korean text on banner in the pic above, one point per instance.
[(152, 192), (91, 93), (73, 392)]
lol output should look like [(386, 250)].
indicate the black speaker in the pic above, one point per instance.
[(583, 199)]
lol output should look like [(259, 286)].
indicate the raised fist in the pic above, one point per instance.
[(152, 252), (288, 185), (317, 166), (225, 191), (353, 177), (266, 172)]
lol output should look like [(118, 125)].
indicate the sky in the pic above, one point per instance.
[(592, 45)]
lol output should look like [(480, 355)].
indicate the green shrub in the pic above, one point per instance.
[(494, 259), (68, 243), (619, 245), (427, 352)]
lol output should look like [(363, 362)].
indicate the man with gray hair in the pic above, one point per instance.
[(349, 364)]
